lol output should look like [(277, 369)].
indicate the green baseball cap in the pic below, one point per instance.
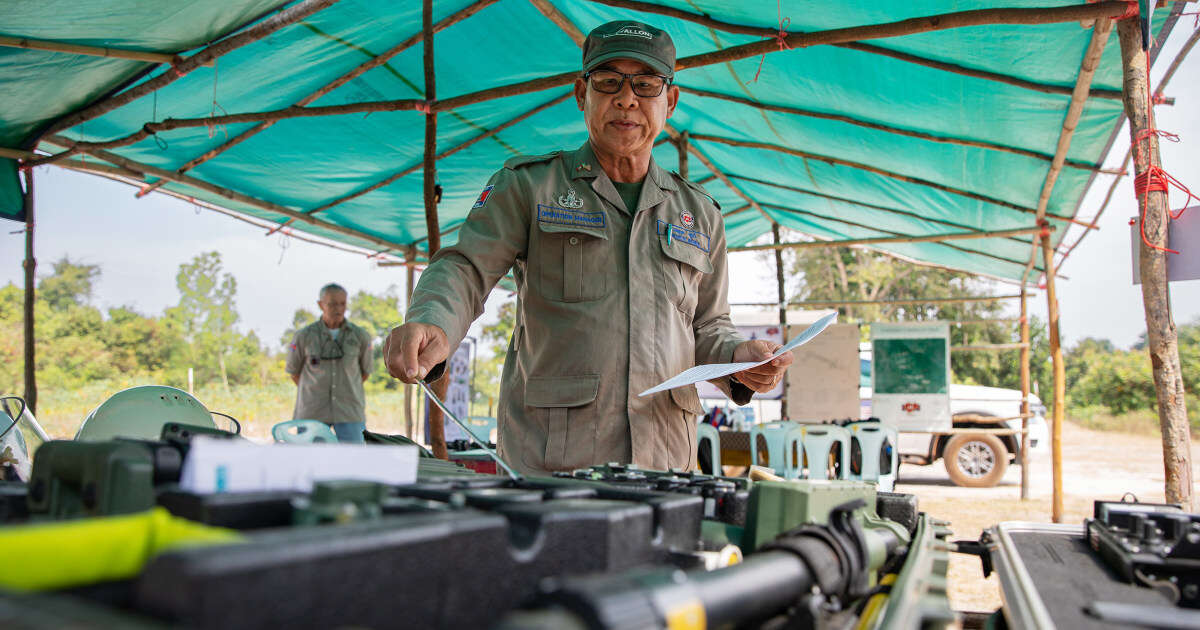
[(626, 39)]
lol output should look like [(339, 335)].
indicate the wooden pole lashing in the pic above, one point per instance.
[(288, 16), (1161, 340), (1056, 356), (437, 431), (30, 265), (1024, 394)]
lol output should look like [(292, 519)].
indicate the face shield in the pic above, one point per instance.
[(20, 437)]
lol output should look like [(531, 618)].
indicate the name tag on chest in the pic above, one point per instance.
[(571, 217)]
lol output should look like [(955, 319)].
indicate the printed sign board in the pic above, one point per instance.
[(823, 380), (458, 393), (1183, 236), (910, 375)]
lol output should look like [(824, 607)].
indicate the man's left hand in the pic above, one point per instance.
[(765, 377)]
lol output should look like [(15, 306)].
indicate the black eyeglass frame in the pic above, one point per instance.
[(667, 81)]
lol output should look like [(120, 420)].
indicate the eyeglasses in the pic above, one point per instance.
[(611, 82)]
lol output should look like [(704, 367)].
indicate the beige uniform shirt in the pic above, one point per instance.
[(330, 389), (608, 306)]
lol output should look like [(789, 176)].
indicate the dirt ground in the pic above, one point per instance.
[(1096, 465)]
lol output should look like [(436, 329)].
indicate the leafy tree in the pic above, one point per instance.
[(378, 314), (301, 318), (849, 274), (70, 284), (206, 312), (490, 365)]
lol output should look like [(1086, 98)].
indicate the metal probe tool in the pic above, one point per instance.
[(514, 475)]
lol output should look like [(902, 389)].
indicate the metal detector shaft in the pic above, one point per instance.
[(514, 475)]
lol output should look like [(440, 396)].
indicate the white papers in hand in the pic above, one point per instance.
[(717, 370), (218, 465)]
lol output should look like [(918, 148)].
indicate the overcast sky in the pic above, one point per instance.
[(140, 243)]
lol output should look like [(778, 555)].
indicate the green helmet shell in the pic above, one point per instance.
[(141, 412)]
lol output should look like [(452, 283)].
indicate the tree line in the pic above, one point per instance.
[(80, 343)]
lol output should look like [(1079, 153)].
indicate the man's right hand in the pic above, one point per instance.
[(411, 350)]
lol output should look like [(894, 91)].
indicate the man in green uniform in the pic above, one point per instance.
[(621, 275), (329, 360)]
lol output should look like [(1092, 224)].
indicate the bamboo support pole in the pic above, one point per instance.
[(712, 168), (1161, 340), (889, 239), (991, 347), (230, 194), (90, 51), (750, 144), (444, 154), (926, 24), (358, 71), (863, 204), (886, 128), (1056, 356), (561, 21), (1158, 92), (444, 232), (284, 18), (949, 300), (758, 31), (890, 233), (783, 323), (437, 431), (1083, 80), (410, 428), (30, 267), (1024, 394)]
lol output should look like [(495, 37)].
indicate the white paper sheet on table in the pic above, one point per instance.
[(218, 465), (717, 370)]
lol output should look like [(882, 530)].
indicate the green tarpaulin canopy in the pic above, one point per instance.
[(929, 133)]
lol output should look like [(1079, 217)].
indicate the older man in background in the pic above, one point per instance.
[(329, 360)]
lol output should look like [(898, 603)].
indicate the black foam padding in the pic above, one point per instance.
[(54, 612), (444, 569), (235, 510), (898, 507), (14, 505), (676, 516), (1069, 576)]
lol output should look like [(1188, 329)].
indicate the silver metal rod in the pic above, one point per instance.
[(514, 475)]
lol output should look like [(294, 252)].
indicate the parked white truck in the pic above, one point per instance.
[(972, 459)]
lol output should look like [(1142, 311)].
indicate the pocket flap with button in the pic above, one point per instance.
[(686, 253), (562, 391), (687, 399)]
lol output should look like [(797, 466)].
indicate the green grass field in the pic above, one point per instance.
[(60, 411)]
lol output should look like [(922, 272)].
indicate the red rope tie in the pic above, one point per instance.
[(425, 107), (1131, 10), (780, 38)]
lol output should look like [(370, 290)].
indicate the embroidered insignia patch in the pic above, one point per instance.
[(483, 197), (571, 216), (687, 219), (569, 200), (679, 233)]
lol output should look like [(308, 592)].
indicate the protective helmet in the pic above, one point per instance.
[(141, 412)]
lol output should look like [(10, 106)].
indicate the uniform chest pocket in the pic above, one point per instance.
[(573, 262), (684, 266)]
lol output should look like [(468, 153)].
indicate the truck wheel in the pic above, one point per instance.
[(975, 460)]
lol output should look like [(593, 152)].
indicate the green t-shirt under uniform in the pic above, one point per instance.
[(629, 194)]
